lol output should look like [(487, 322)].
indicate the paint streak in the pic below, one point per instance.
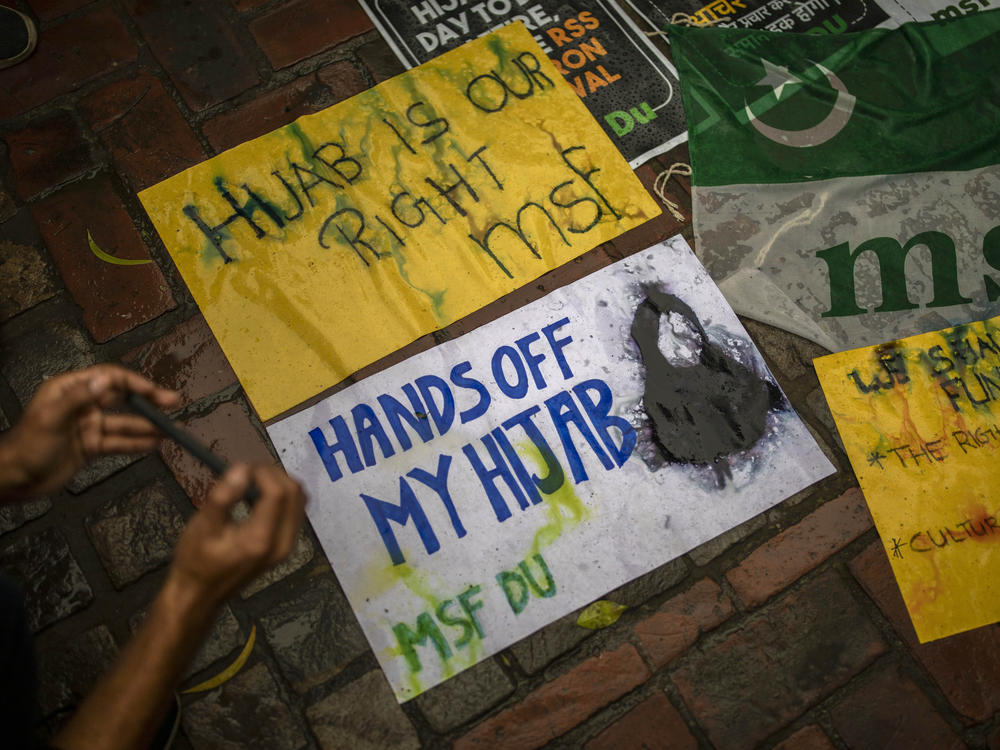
[(702, 413), (562, 499)]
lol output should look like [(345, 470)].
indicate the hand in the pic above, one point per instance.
[(216, 555), (66, 424)]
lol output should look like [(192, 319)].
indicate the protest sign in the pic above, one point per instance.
[(628, 85), (920, 420), (320, 247), (484, 488), (844, 187), (807, 16)]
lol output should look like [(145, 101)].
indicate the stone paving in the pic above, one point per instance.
[(785, 632)]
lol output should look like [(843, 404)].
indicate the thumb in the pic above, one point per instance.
[(227, 491)]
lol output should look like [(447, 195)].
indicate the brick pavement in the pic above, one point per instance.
[(785, 632)]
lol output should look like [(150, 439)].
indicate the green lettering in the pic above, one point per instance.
[(550, 584), (518, 600), (426, 627), (891, 257), (470, 607)]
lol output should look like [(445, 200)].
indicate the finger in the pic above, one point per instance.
[(226, 492), (128, 424), (110, 444), (111, 383), (64, 396), (265, 519), (292, 515)]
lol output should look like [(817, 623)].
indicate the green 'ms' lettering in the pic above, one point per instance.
[(891, 257)]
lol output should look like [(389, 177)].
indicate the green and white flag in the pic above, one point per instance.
[(847, 188)]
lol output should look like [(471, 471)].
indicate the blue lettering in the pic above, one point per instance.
[(382, 513), (554, 476), (558, 345), (345, 444), (458, 378), (600, 417), (439, 483), (368, 427), (564, 412), (518, 389), (396, 413), (443, 414), (489, 477), (532, 360)]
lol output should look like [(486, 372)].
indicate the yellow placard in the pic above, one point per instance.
[(920, 419), (318, 248)]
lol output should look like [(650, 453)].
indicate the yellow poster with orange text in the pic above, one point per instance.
[(920, 419), (329, 243)]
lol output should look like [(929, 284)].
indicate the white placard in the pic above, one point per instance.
[(484, 488)]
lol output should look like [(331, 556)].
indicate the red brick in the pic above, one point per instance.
[(800, 548), (303, 28), (565, 702), (46, 10), (811, 737), (68, 54), (188, 360), (277, 108), (966, 667), (659, 227), (652, 725), (114, 298), (343, 79), (677, 624), (47, 153), (143, 130), (227, 432), (198, 48), (890, 711), (380, 60), (782, 660)]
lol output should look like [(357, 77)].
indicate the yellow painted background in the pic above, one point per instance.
[(295, 318), (956, 587)]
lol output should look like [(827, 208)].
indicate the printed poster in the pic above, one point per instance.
[(803, 16), (626, 83), (920, 419), (327, 244), (482, 489)]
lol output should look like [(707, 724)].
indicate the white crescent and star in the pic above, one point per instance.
[(778, 77)]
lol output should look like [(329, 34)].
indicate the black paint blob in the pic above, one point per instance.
[(704, 412)]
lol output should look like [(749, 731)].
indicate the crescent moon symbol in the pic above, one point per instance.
[(820, 133)]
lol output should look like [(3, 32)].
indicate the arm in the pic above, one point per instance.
[(215, 556), (66, 424)]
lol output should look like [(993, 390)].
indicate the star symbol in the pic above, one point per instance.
[(875, 457), (777, 78)]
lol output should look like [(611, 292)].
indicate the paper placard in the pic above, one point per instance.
[(920, 419), (487, 487), (327, 244)]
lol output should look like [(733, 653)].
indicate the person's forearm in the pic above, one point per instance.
[(129, 702)]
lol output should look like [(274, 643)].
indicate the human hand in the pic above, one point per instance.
[(66, 424), (216, 554)]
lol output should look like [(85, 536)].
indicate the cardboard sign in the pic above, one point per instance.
[(920, 419), (628, 85), (318, 248), (484, 488)]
